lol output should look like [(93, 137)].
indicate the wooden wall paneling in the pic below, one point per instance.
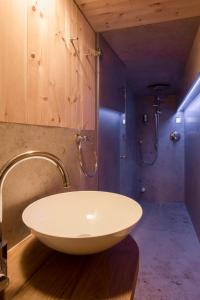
[(57, 63), (2, 61), (74, 96), (87, 71), (13, 59), (46, 64), (81, 96), (81, 70), (38, 68), (68, 54), (45, 77)]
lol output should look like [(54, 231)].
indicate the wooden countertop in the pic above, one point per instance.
[(37, 272)]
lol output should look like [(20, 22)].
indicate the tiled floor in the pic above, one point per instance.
[(169, 254)]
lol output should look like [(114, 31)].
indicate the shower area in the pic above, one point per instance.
[(144, 75), (145, 119), (160, 156), (141, 133)]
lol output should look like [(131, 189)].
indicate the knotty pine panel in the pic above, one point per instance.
[(13, 61), (45, 79)]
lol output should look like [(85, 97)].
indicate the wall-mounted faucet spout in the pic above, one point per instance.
[(3, 174)]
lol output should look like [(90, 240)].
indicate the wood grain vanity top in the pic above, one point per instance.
[(37, 272)]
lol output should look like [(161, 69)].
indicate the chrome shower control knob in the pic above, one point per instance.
[(123, 156), (175, 136), (143, 190)]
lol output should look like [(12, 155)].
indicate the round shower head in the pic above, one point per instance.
[(159, 87)]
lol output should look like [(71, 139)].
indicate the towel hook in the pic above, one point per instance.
[(80, 139)]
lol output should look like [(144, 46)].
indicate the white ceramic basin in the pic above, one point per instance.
[(82, 222)]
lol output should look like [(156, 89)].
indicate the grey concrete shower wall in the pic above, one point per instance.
[(192, 135), (164, 181), (34, 179), (111, 107), (128, 165), (192, 162), (115, 139)]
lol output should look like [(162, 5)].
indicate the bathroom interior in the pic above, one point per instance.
[(108, 93)]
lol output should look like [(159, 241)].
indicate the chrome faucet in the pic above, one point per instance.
[(4, 280)]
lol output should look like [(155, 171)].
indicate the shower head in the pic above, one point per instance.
[(159, 88)]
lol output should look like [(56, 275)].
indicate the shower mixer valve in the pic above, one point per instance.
[(175, 136), (145, 118)]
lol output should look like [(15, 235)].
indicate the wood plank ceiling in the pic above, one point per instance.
[(104, 15)]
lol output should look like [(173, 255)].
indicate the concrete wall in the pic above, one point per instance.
[(111, 107), (128, 165), (115, 138), (34, 179), (165, 179), (109, 150), (192, 134), (192, 162), (193, 65)]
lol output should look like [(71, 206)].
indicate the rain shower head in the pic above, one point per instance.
[(159, 88)]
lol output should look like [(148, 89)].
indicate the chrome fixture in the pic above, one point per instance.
[(159, 90), (175, 136), (145, 118), (123, 156), (80, 139), (4, 280), (143, 190), (157, 106), (123, 126)]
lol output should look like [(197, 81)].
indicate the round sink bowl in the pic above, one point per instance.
[(82, 222)]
